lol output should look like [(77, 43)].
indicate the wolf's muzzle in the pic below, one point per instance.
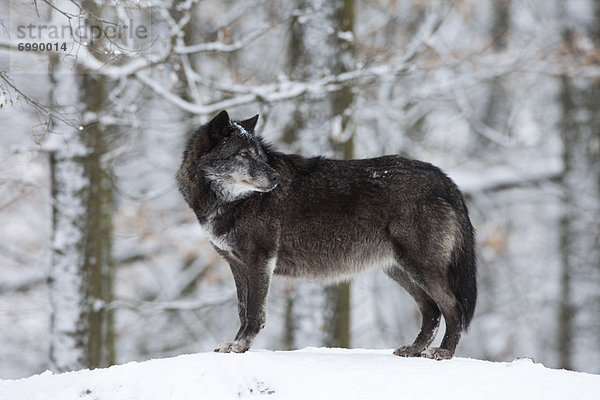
[(274, 178)]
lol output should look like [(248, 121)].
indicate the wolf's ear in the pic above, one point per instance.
[(219, 125), (220, 121), (249, 124)]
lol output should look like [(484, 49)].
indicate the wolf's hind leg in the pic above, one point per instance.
[(233, 346), (430, 314), (452, 313)]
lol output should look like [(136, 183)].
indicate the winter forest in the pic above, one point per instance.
[(102, 262)]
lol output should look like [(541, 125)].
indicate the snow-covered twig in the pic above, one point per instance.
[(152, 308), (24, 283), (91, 63), (45, 111), (467, 112), (287, 90), (516, 181), (222, 47)]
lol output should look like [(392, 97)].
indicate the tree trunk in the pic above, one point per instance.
[(578, 333), (497, 106), (67, 279), (322, 43), (565, 308), (81, 277), (98, 240)]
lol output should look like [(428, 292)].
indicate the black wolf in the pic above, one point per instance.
[(271, 213)]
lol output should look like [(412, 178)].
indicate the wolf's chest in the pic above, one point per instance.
[(221, 241)]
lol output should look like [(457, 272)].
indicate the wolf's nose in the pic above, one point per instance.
[(274, 178)]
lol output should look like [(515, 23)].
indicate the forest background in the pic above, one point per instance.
[(101, 261)]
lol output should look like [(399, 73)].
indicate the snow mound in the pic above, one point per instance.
[(308, 374)]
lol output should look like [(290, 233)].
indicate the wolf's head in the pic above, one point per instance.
[(229, 156)]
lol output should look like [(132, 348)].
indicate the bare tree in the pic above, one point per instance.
[(579, 229), (496, 113), (70, 184), (323, 123), (82, 329)]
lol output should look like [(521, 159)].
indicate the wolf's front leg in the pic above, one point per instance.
[(252, 288)]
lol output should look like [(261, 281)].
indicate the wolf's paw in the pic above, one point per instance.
[(408, 351), (233, 346), (437, 353)]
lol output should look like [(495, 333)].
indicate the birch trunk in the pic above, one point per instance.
[(67, 281)]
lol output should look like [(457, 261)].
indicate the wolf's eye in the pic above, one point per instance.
[(244, 153)]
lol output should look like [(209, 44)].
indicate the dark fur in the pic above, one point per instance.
[(267, 212)]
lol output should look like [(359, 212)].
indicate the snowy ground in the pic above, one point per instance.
[(308, 374)]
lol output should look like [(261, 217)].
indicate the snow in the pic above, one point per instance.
[(314, 373), (348, 36)]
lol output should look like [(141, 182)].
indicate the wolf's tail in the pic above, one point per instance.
[(463, 270)]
